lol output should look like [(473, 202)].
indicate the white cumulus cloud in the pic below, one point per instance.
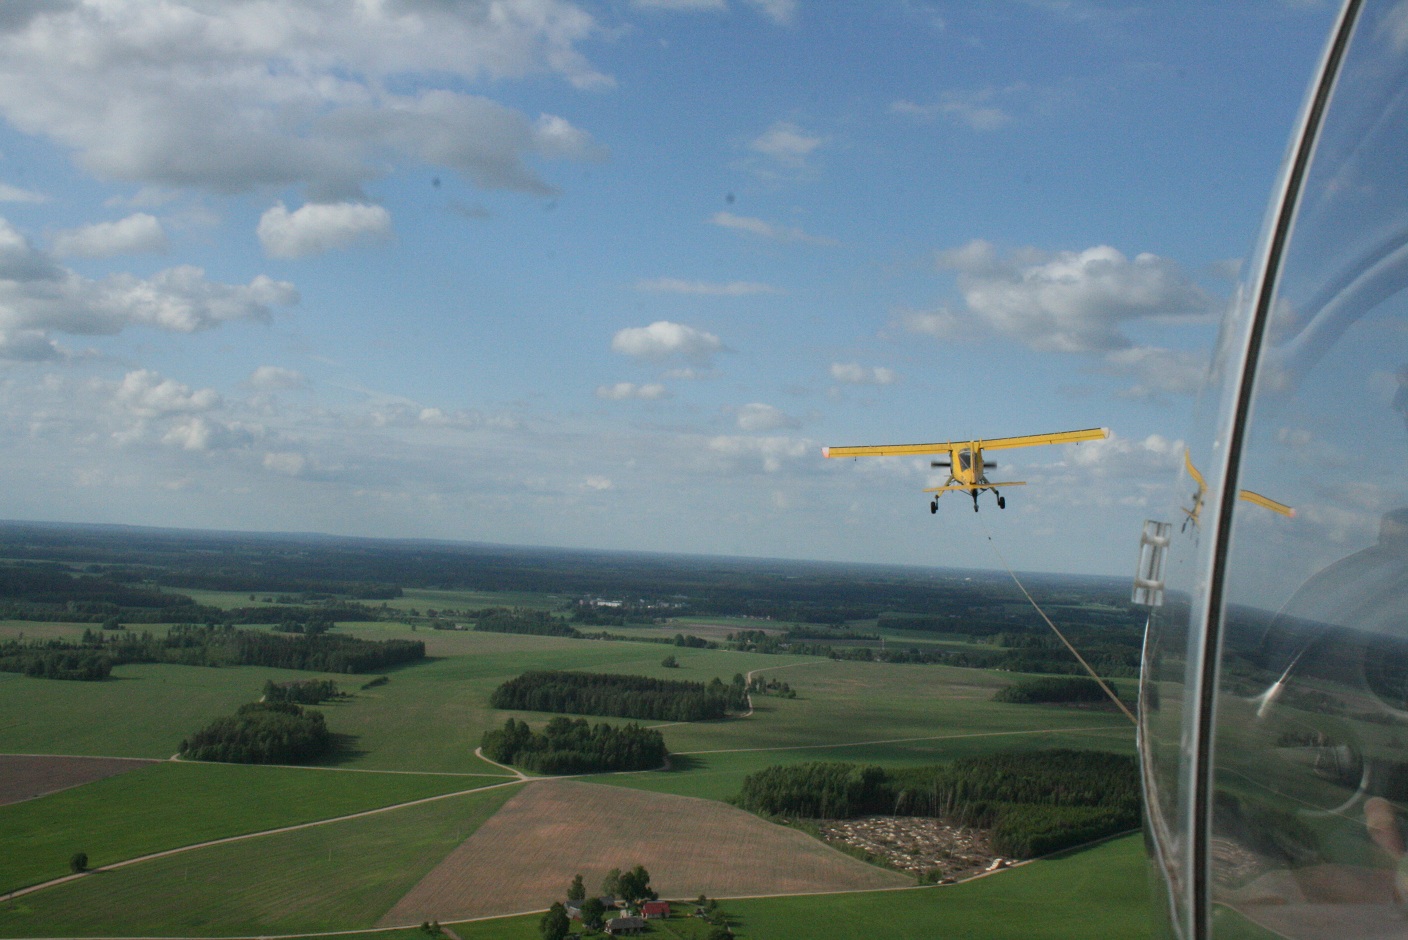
[(771, 453), (757, 416), (979, 109), (318, 227), (787, 149), (275, 379), (146, 394), (1158, 371), (663, 340), (765, 229), (851, 373), (201, 433), (683, 6), (1069, 301), (235, 96), (288, 463), (10, 193), (623, 391), (38, 296), (139, 233), (671, 285)]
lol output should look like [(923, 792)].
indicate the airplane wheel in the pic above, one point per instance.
[(933, 507), (1002, 502), (975, 505)]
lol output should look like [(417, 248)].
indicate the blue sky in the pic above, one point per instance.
[(609, 274)]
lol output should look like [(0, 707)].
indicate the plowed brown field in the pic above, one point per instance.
[(25, 776), (525, 856)]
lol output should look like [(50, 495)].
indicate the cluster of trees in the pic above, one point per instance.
[(530, 622), (262, 733), (54, 659), (1032, 802), (568, 746), (762, 686), (588, 693), (598, 615), (1051, 689), (632, 886), (301, 691)]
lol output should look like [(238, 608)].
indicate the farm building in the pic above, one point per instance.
[(623, 926), (654, 910)]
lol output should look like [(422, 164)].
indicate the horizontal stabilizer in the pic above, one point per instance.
[(966, 489)]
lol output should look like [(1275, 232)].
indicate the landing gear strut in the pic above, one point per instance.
[(975, 500)]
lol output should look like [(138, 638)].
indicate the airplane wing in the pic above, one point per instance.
[(885, 450), (902, 450), (1060, 437), (1193, 471), (1266, 502)]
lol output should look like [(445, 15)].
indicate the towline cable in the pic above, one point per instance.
[(1074, 652)]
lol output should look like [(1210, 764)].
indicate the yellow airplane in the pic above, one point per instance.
[(1257, 499), (967, 470)]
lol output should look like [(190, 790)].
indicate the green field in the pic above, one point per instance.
[(427, 720), (1096, 892), (162, 806), (144, 710), (340, 876)]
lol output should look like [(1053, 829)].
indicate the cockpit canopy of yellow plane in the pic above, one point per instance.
[(1274, 725)]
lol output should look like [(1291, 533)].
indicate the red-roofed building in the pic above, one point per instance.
[(654, 910)]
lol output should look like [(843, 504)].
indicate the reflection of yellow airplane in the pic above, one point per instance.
[(1263, 501), (966, 468)]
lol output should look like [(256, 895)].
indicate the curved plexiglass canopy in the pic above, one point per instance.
[(1274, 727)]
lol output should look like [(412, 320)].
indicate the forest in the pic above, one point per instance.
[(648, 585), (568, 746), (1032, 802), (585, 693)]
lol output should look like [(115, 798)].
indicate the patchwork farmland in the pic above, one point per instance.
[(402, 823)]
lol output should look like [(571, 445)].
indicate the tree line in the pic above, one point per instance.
[(1032, 802), (195, 645), (588, 693), (1116, 655), (568, 746)]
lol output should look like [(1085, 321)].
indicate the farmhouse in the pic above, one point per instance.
[(625, 925), (655, 910)]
